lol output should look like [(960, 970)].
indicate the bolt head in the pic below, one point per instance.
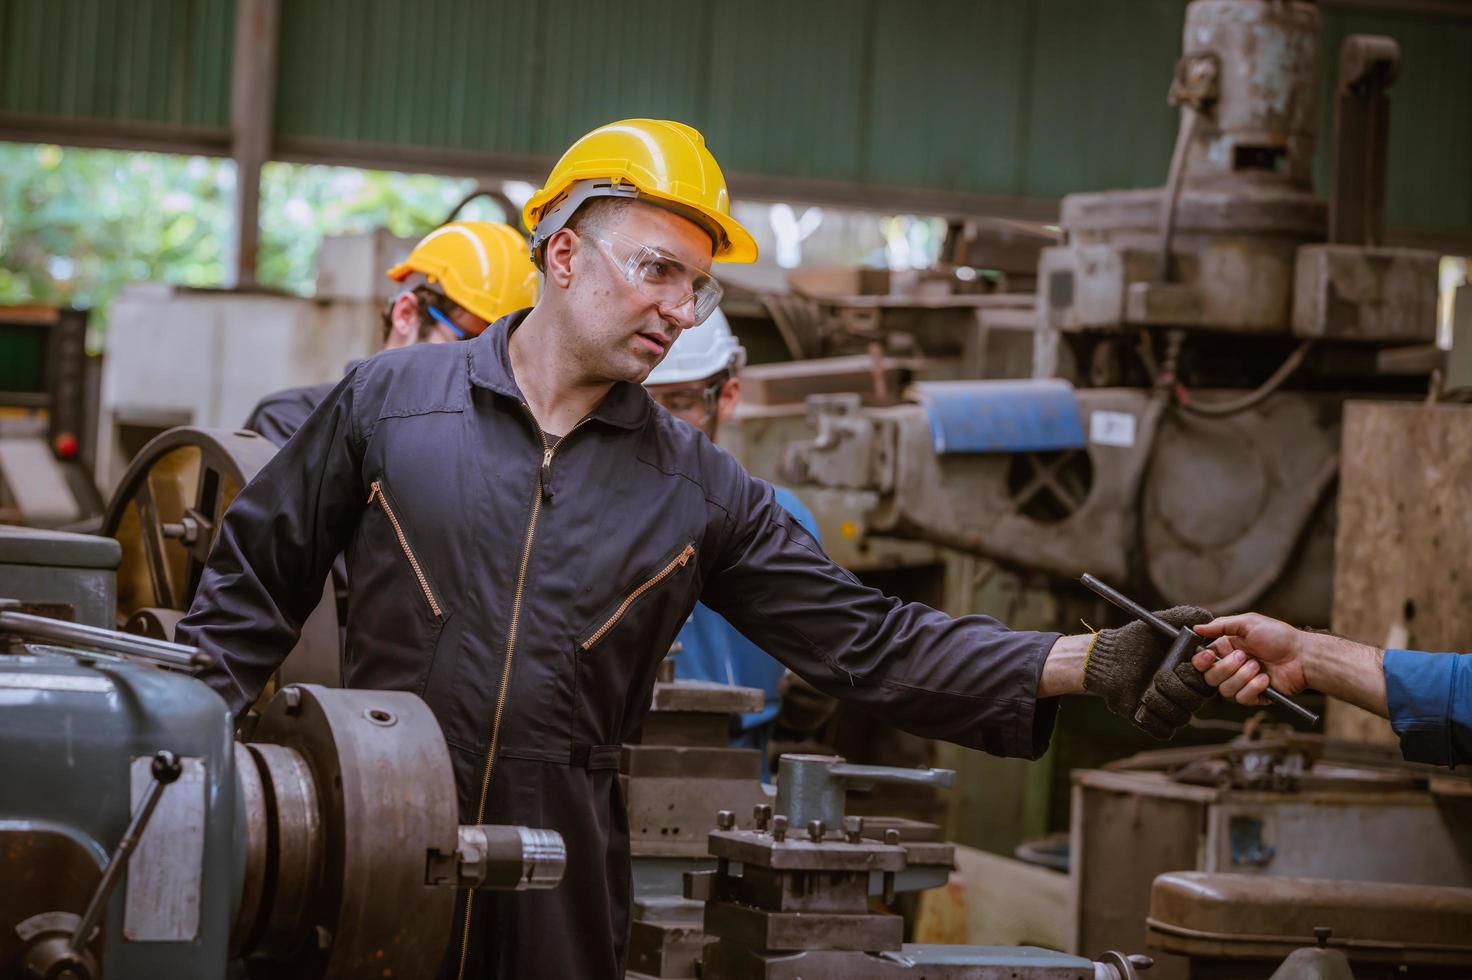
[(892, 837), (293, 696), (725, 819), (816, 830), (779, 828)]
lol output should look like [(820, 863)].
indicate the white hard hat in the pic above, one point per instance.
[(699, 353)]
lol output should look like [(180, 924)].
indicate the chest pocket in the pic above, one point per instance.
[(611, 616), (377, 493)]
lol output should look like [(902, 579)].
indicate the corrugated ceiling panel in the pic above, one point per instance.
[(950, 95), (1017, 98), (788, 87), (599, 62), (1099, 118), (438, 73), (153, 61), (1430, 158)]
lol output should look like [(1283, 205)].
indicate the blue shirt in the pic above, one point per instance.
[(713, 650), (1430, 701)]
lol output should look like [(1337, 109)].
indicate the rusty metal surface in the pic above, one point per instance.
[(705, 696), (1355, 830), (1247, 916), (763, 929), (254, 832), (671, 816), (796, 891), (1372, 294), (794, 854), (664, 949), (370, 751), (46, 870)]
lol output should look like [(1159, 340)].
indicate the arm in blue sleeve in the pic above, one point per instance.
[(1430, 700)]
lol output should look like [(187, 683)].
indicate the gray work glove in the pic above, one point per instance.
[(1120, 668)]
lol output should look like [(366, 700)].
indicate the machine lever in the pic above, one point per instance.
[(1185, 641), (165, 768)]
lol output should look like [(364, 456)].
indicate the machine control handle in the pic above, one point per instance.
[(165, 769), (161, 652), (812, 787), (858, 775), (1185, 641)]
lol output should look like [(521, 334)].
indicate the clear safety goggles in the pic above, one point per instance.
[(660, 277)]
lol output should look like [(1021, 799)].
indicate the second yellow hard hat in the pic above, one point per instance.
[(483, 266)]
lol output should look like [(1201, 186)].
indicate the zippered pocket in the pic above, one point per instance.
[(376, 490), (678, 561)]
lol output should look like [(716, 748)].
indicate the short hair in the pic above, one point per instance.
[(598, 214)]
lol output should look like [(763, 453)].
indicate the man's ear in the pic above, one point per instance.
[(405, 320), (558, 255), (728, 399)]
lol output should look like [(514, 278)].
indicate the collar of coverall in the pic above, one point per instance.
[(626, 405)]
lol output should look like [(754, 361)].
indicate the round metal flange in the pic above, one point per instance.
[(252, 794), (296, 861), (387, 798), (166, 514), (46, 939)]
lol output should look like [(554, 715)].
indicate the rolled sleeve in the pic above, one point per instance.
[(1430, 700)]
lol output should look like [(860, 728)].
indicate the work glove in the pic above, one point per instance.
[(1121, 667)]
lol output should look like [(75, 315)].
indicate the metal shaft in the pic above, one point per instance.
[(166, 769), (1166, 629), (59, 631)]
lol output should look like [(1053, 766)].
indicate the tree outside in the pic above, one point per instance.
[(77, 224)]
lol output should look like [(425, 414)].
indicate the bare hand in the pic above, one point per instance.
[(1250, 652)]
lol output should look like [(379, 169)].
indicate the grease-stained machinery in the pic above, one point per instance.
[(138, 839), (1192, 346)]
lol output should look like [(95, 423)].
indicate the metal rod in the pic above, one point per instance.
[(60, 631), (1130, 606), (165, 770), (1166, 629)]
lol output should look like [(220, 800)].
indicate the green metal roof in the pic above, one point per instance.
[(953, 105)]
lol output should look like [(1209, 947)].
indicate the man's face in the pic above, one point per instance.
[(618, 332), (704, 404)]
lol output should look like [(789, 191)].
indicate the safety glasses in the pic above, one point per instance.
[(440, 308), (695, 404), (660, 277)]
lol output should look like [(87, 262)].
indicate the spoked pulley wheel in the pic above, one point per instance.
[(166, 514)]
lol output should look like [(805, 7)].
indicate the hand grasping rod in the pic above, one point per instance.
[(1186, 641)]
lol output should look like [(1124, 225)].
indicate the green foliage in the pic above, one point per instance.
[(77, 224)]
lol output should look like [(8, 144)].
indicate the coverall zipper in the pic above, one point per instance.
[(679, 561), (543, 475), (376, 490)]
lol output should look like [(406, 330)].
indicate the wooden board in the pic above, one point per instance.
[(1403, 548)]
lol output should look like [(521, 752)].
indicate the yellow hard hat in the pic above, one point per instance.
[(657, 160), (483, 266)]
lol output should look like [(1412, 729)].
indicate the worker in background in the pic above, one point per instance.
[(1426, 696), (527, 532), (460, 277), (699, 382)]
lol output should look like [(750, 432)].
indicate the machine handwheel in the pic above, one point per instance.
[(166, 514)]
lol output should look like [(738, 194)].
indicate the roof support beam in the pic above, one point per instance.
[(252, 119)]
